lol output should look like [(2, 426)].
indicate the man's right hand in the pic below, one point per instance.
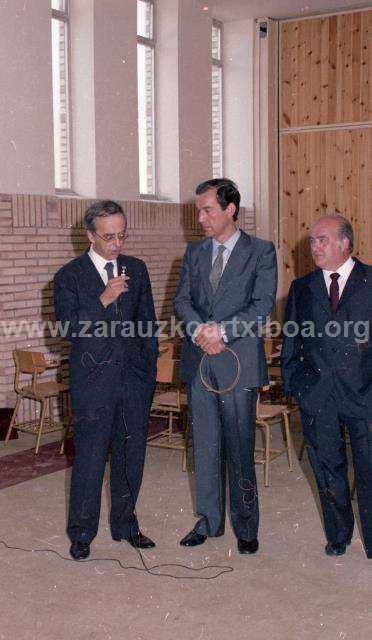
[(114, 288)]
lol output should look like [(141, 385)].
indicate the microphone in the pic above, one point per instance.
[(119, 300)]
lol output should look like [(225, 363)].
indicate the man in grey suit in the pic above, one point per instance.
[(226, 290)]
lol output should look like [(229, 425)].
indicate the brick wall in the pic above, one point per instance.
[(38, 234)]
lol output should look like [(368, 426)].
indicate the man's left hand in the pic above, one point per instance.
[(209, 339)]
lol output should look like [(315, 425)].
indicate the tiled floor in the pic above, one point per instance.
[(290, 590)]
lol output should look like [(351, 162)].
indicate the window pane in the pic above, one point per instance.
[(60, 105), (144, 19), (217, 121), (60, 5), (146, 133), (216, 42)]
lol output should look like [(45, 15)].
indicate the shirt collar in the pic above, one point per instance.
[(229, 243), (344, 270), (98, 261)]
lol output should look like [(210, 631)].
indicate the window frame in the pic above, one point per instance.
[(218, 63), (64, 16), (150, 42)]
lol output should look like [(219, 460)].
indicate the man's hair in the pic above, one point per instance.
[(345, 229), (226, 192), (101, 209)]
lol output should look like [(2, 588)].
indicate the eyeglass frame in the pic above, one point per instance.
[(115, 236)]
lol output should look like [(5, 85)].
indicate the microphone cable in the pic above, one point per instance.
[(149, 569), (155, 570)]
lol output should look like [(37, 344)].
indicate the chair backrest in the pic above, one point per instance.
[(271, 346), (32, 362), (29, 361), (166, 369), (170, 348)]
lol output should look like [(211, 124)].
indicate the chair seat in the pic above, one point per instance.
[(43, 394), (45, 390), (170, 399), (265, 412)]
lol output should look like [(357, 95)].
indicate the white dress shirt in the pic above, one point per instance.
[(229, 244), (344, 271), (100, 263)]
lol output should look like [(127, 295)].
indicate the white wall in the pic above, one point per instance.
[(167, 102), (82, 98), (115, 75), (26, 103), (104, 99), (195, 97), (238, 39)]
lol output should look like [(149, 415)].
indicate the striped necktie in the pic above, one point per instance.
[(217, 268)]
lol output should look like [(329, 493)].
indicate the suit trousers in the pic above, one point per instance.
[(325, 444), (223, 431), (119, 427)]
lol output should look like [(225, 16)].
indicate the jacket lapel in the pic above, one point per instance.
[(319, 289), (235, 264), (206, 266), (90, 276), (355, 281)]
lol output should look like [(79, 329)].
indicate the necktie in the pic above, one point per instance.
[(334, 291), (109, 267), (216, 271)]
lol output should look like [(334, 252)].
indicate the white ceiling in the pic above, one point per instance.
[(226, 10)]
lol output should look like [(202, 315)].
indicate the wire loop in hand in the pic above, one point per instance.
[(234, 382)]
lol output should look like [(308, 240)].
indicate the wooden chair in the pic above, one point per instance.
[(268, 416), (273, 347), (33, 363), (170, 402)]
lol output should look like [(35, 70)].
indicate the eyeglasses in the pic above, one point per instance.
[(111, 237)]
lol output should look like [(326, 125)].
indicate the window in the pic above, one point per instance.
[(146, 103), (217, 148), (61, 107)]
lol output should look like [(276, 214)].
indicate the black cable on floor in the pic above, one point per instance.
[(145, 569)]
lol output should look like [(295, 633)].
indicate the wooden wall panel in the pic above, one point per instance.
[(322, 172), (325, 135), (326, 70)]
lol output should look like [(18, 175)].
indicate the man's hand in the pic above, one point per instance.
[(114, 288), (209, 339)]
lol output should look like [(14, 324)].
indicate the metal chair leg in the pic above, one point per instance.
[(41, 424), (15, 413), (302, 449), (267, 454), (288, 441), (352, 492)]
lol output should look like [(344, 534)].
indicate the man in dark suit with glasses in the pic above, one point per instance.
[(105, 297)]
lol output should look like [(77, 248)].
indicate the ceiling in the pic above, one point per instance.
[(227, 10)]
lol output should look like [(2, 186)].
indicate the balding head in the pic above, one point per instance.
[(332, 241)]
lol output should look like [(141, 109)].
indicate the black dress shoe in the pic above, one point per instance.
[(247, 546), (138, 540), (336, 548), (193, 539), (79, 550)]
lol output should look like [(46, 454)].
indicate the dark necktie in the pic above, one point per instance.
[(334, 291), (109, 267), (216, 271)]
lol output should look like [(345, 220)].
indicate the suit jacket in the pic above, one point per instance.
[(245, 294), (315, 364), (103, 354)]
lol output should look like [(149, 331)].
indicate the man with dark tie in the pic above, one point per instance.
[(105, 297), (227, 286), (327, 367)]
